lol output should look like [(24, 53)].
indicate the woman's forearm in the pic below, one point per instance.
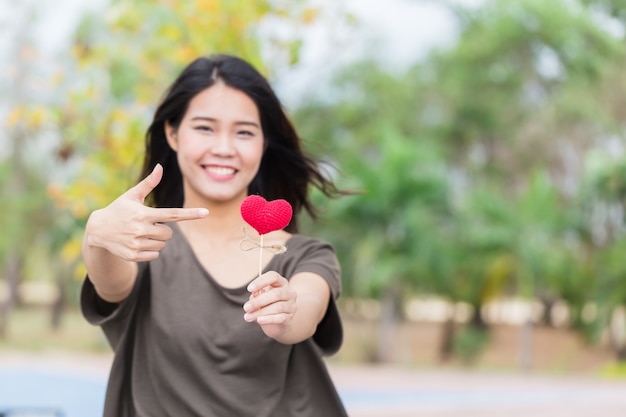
[(112, 276)]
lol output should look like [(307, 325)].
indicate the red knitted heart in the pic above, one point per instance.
[(266, 216)]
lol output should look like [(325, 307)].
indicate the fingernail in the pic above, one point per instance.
[(247, 306), (203, 212), (252, 287), (247, 317)]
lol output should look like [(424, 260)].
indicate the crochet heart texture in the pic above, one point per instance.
[(266, 216)]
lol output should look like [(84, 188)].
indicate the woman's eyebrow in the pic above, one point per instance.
[(205, 118), (212, 119), (247, 123)]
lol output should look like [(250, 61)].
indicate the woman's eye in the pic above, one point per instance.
[(245, 133), (204, 128)]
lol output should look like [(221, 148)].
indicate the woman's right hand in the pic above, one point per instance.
[(132, 231), (126, 232)]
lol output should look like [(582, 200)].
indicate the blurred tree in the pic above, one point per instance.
[(517, 91), (497, 127), (604, 200), (516, 99), (26, 211), (384, 235), (613, 8)]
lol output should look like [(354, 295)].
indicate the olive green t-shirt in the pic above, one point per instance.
[(182, 347)]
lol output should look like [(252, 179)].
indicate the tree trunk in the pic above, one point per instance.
[(388, 325), (12, 273), (548, 307), (525, 358), (617, 333), (58, 306), (447, 340), (477, 321)]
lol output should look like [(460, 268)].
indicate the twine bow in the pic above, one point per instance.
[(247, 244)]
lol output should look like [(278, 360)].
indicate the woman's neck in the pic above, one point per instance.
[(223, 223)]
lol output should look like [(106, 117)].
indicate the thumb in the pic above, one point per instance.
[(140, 191)]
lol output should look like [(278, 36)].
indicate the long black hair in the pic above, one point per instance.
[(286, 171)]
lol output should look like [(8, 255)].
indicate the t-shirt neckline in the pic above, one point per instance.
[(205, 272)]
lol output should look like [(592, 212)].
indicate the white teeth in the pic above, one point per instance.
[(221, 170)]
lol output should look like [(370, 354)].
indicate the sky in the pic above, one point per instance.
[(405, 29), (396, 33)]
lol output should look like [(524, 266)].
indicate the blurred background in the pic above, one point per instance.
[(486, 139)]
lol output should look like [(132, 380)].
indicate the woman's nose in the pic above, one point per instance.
[(223, 145)]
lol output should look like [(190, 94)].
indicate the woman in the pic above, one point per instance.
[(196, 331)]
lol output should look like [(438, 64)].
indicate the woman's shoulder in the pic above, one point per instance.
[(308, 249), (304, 241)]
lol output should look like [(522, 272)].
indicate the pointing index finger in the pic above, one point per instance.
[(164, 215)]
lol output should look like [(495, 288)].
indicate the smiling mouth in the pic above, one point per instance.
[(221, 171)]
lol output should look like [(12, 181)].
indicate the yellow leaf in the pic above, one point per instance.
[(71, 250), (207, 6), (186, 53), (14, 116), (309, 15), (56, 193), (80, 210), (36, 118), (171, 32)]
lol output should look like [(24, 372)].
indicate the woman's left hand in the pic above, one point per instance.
[(272, 304)]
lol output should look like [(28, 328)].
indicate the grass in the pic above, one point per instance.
[(29, 329)]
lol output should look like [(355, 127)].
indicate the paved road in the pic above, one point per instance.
[(394, 392), (76, 384)]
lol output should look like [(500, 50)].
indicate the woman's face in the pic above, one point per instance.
[(219, 145)]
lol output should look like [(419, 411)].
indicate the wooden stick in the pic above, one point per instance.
[(261, 257)]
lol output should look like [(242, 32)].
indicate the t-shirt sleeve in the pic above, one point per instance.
[(99, 312), (320, 258)]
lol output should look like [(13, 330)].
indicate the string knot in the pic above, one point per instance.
[(248, 244)]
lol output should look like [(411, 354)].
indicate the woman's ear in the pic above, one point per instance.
[(172, 139)]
